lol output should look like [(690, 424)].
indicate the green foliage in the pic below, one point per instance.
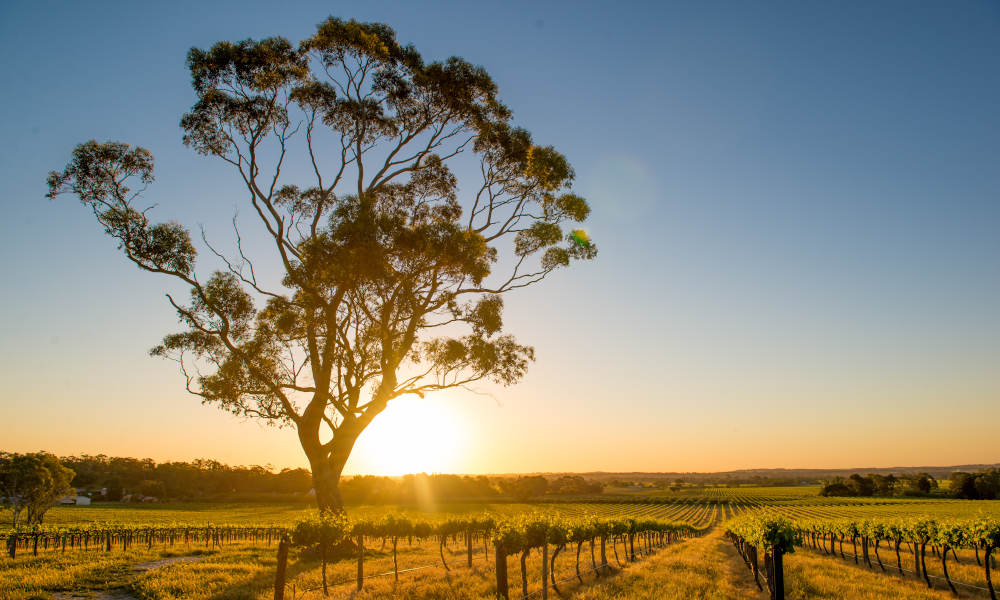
[(981, 485), (205, 479), (909, 484), (32, 483), (766, 531), (329, 528), (954, 533)]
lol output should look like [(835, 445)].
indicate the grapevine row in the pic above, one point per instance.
[(943, 536), (508, 536), (107, 537), (776, 536)]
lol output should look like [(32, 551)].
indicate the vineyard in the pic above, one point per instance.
[(776, 536), (784, 543)]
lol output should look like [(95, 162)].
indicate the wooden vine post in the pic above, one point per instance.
[(468, 546), (395, 564), (501, 568), (545, 570), (361, 561), (989, 580), (779, 574), (322, 551), (279, 575)]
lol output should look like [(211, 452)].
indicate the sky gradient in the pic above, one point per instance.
[(797, 206)]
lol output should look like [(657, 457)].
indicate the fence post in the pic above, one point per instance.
[(468, 545), (361, 561), (545, 570), (12, 548), (779, 574), (989, 579), (279, 575), (322, 551), (501, 559)]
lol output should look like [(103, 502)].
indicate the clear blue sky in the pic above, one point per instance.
[(797, 206)]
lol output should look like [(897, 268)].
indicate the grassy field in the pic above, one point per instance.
[(704, 567), (707, 505)]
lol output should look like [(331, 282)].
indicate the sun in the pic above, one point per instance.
[(412, 435)]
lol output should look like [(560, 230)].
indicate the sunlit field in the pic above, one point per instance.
[(704, 567)]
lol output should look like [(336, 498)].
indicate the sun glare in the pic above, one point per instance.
[(411, 436)]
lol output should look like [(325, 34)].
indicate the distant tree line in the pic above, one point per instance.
[(873, 484), (199, 479), (408, 489), (699, 480), (981, 485), (110, 478)]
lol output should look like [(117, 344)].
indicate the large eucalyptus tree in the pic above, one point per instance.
[(393, 275)]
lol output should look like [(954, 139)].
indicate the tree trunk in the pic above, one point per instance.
[(326, 485), (327, 462)]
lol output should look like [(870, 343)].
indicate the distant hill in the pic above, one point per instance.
[(767, 475)]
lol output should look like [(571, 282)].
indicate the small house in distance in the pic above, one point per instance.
[(75, 500)]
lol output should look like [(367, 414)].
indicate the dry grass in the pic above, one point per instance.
[(705, 568), (28, 577), (809, 575)]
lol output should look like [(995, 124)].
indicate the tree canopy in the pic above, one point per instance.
[(31, 483), (393, 273)]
